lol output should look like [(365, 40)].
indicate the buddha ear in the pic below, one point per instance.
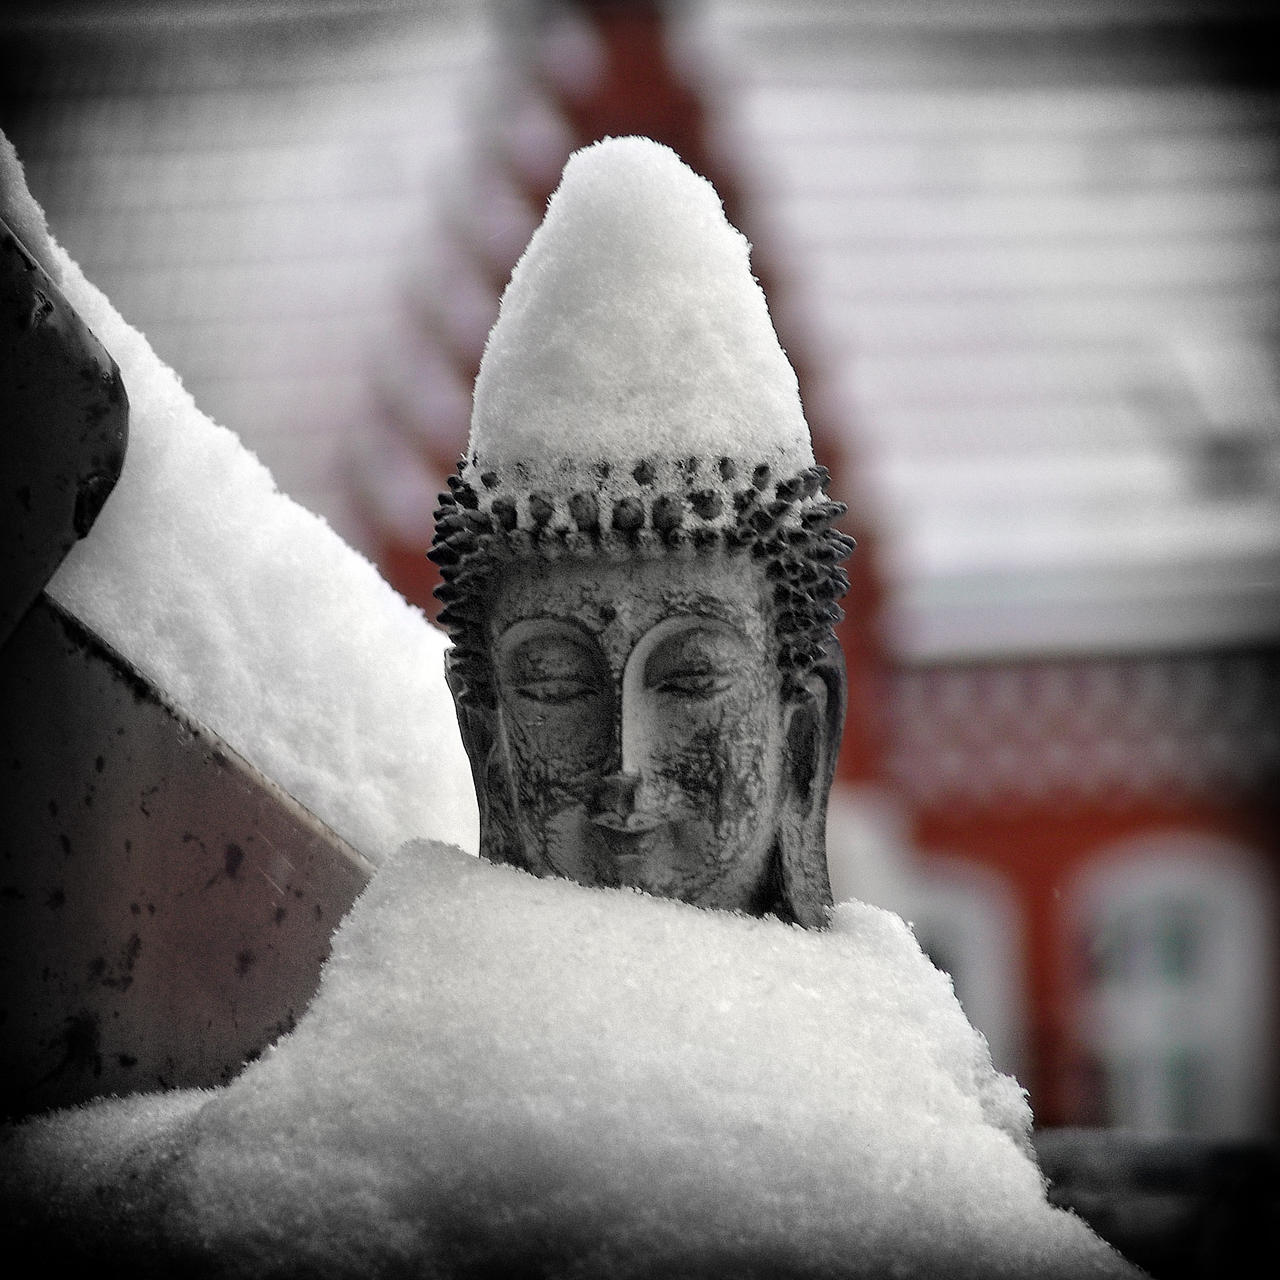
[(475, 723), (813, 724), (478, 725)]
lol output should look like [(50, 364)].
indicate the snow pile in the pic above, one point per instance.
[(506, 1076), (631, 326), (251, 615)]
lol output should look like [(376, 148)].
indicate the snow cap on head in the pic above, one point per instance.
[(633, 329)]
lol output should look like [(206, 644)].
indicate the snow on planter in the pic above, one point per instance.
[(503, 1075)]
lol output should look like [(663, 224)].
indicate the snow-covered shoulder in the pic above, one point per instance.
[(533, 1076)]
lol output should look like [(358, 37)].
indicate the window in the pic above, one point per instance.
[(1173, 933)]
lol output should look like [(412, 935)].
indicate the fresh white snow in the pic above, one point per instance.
[(632, 326), (252, 616), (542, 1078)]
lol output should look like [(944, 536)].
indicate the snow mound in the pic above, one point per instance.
[(632, 327), (507, 1076), (254, 617)]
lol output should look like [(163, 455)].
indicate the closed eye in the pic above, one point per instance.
[(547, 663), (555, 692), (694, 682)]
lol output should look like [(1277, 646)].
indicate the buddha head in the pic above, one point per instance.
[(640, 562)]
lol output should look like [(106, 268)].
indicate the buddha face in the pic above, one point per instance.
[(640, 736)]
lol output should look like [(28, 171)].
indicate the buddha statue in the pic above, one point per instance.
[(640, 565)]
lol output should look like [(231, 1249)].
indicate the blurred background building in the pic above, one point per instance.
[(1026, 259)]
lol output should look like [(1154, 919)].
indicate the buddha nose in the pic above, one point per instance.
[(617, 793)]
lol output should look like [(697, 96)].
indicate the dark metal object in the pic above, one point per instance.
[(164, 908), (63, 428), (1180, 1206)]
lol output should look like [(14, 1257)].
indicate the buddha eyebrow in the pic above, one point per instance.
[(694, 606), (703, 643), (556, 629), (695, 649)]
